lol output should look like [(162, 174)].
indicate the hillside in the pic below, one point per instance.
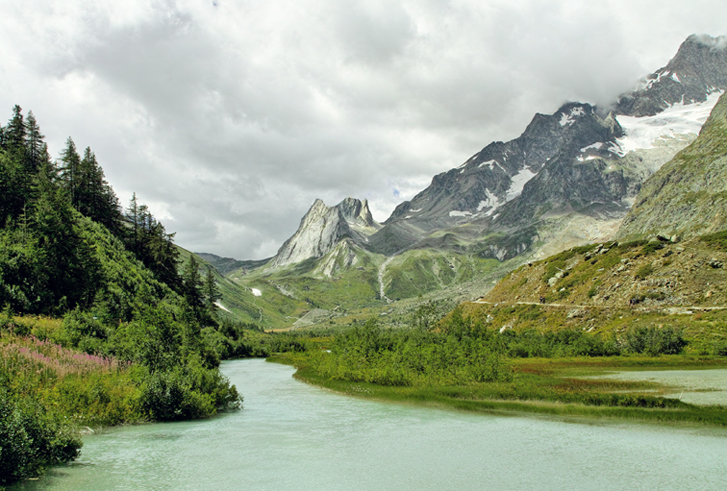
[(688, 195), (100, 324), (612, 288)]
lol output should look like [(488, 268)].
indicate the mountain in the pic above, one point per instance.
[(699, 68), (569, 179), (571, 176), (688, 195), (668, 264), (323, 228)]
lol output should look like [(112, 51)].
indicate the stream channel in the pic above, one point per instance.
[(292, 436)]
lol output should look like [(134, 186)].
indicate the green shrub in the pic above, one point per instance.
[(717, 241), (720, 348), (169, 396), (31, 440), (651, 248), (654, 342), (644, 271)]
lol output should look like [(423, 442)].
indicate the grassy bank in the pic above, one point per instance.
[(549, 387), (56, 384), (48, 393)]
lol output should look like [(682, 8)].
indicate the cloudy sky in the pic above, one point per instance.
[(229, 117)]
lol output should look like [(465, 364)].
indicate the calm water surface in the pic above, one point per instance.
[(292, 436)]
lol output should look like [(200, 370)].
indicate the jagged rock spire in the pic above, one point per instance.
[(323, 227)]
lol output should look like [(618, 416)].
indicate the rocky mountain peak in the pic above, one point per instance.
[(499, 173), (698, 69), (356, 212), (323, 227)]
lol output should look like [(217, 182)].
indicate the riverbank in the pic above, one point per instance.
[(293, 436), (564, 387)]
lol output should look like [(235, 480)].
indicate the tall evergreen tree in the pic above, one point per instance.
[(34, 145), (211, 292), (70, 170), (193, 288), (94, 196), (15, 132), (152, 245)]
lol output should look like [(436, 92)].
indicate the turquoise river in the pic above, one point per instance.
[(292, 436)]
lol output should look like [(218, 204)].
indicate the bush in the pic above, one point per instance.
[(644, 271), (169, 396), (651, 248), (720, 349), (654, 342), (30, 440), (191, 392)]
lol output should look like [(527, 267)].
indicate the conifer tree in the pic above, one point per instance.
[(35, 147), (70, 166), (152, 245), (211, 292), (14, 134), (192, 287)]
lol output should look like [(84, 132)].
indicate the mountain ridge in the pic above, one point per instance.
[(569, 179)]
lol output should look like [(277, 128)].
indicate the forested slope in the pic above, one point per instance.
[(99, 324)]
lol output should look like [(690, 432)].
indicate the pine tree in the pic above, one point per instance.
[(152, 245), (211, 292), (15, 132), (192, 287), (132, 238), (70, 167), (35, 147)]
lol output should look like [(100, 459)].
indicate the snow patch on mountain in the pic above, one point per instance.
[(218, 304), (256, 292), (457, 213), (518, 182), (595, 146), (678, 119), (570, 118), (491, 202)]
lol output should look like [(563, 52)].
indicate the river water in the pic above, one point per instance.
[(292, 436)]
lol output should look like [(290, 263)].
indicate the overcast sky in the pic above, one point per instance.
[(230, 117)]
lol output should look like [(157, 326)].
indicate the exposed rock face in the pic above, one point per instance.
[(498, 173), (698, 69), (579, 161), (688, 195), (323, 227), (580, 164)]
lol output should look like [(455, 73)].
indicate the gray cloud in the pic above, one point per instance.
[(229, 120)]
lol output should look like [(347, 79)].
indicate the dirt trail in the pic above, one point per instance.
[(681, 309)]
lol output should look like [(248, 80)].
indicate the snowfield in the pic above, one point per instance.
[(679, 119)]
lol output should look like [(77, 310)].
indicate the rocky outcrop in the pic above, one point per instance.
[(323, 228), (698, 69), (579, 161), (499, 172)]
